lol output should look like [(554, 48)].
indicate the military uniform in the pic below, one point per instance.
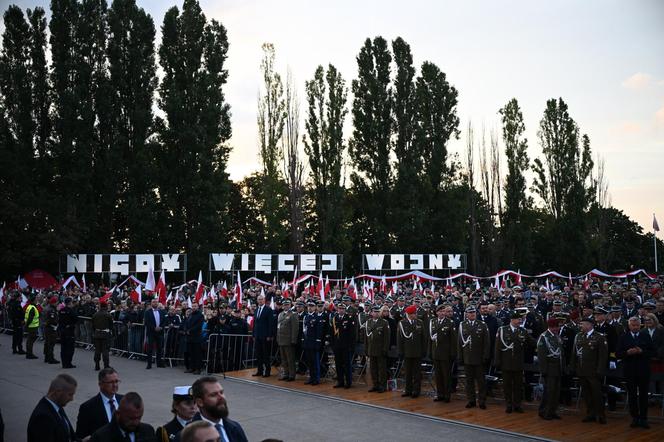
[(287, 334), (511, 344), (50, 316), (344, 337), (551, 357), (102, 327), (377, 334), (312, 335), (16, 315), (474, 350), (443, 352), (67, 327), (590, 363), (411, 343)]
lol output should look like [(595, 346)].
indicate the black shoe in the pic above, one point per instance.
[(589, 419), (372, 389), (53, 361), (380, 390), (347, 386), (644, 424), (148, 367), (316, 383), (283, 378), (483, 406), (446, 400), (635, 423), (508, 410), (267, 375), (20, 352), (69, 366), (309, 382), (415, 395), (28, 356), (291, 379), (161, 366), (518, 410), (258, 373), (196, 372), (557, 417), (338, 386), (189, 370), (547, 418), (470, 405), (438, 399), (405, 393), (602, 420), (97, 367)]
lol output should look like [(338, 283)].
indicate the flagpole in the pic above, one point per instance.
[(654, 237)]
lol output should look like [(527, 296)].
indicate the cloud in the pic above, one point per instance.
[(629, 127), (638, 81), (659, 116)]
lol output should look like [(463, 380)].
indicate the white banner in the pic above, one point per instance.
[(268, 263)]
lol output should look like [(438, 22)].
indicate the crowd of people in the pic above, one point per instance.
[(599, 338), (200, 414)]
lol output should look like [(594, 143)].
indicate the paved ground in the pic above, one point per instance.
[(263, 411)]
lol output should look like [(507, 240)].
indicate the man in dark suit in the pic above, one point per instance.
[(154, 320), (49, 422), (635, 349), (193, 329), (98, 410), (263, 333), (126, 424), (209, 396)]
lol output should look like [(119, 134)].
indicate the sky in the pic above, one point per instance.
[(605, 58)]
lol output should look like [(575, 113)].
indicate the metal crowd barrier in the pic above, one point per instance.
[(230, 352)]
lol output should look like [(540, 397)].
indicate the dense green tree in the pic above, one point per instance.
[(194, 184), (324, 145), (516, 235), (370, 145)]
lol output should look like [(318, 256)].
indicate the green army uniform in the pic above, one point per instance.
[(411, 343), (551, 357), (474, 349), (288, 328), (511, 343), (377, 332), (443, 352), (102, 328), (590, 362)]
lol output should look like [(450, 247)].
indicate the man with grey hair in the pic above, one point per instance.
[(49, 422), (200, 431), (635, 349)]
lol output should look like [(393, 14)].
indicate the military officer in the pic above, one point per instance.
[(511, 343), (184, 408), (551, 365), (411, 344), (443, 350), (473, 348), (287, 333), (344, 338), (102, 327), (590, 363), (312, 337), (67, 320), (377, 331), (324, 318), (50, 318), (16, 315)]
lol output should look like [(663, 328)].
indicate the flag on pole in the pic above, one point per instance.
[(320, 287), (327, 288), (199, 287), (570, 280), (136, 295), (238, 292), (518, 277), (84, 285), (189, 301), (395, 288), (2, 292), (477, 284), (149, 283), (383, 285), (161, 288), (212, 294), (24, 300), (352, 289), (655, 226), (224, 290)]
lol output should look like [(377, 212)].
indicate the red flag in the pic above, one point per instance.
[(352, 289), (161, 288), (320, 287), (136, 295), (199, 287), (383, 284), (224, 290), (149, 283), (327, 289)]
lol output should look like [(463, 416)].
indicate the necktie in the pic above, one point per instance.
[(221, 432), (65, 421), (260, 309), (112, 405)]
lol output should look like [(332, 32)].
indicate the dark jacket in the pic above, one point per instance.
[(637, 365), (150, 324), (111, 433), (171, 429), (193, 327), (92, 415), (233, 430), (264, 323), (46, 425)]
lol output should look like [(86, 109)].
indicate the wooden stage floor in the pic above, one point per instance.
[(570, 428)]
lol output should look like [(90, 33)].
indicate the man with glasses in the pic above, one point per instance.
[(98, 410)]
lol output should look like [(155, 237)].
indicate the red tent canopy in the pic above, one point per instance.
[(39, 279)]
